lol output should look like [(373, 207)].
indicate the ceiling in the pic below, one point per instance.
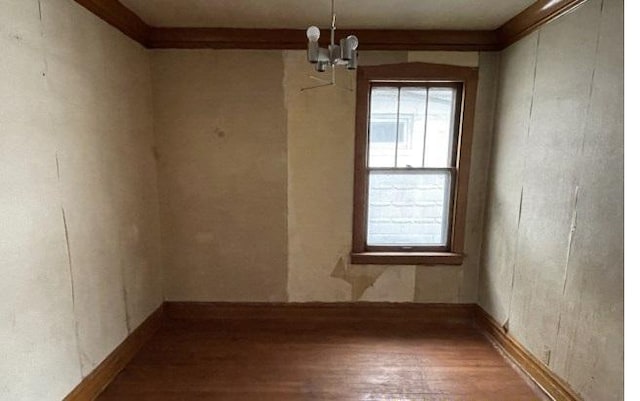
[(379, 14)]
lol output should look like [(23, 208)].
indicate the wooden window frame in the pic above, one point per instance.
[(424, 74)]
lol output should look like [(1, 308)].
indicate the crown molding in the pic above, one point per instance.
[(370, 39), (532, 18), (117, 15)]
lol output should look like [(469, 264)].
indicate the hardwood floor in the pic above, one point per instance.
[(279, 359)]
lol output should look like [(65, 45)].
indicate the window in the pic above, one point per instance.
[(413, 141)]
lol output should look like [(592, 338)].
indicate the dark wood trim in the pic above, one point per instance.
[(463, 165), (468, 77), (370, 39), (226, 38), (122, 18), (363, 91), (548, 381), (407, 258), (436, 315), (532, 18), (93, 384), (117, 15), (370, 311)]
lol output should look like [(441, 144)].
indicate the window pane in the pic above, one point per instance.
[(408, 208), (440, 125), (383, 127), (413, 102)]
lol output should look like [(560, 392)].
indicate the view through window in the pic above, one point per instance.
[(410, 163)]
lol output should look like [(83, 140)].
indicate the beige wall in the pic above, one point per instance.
[(552, 267), (78, 206), (221, 129), (256, 181)]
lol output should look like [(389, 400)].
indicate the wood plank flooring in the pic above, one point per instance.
[(240, 359)]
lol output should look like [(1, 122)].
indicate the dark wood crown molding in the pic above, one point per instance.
[(539, 13), (117, 15), (535, 16), (370, 39)]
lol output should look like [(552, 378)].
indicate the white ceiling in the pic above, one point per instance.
[(382, 14)]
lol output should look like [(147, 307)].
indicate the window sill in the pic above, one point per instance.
[(407, 258)]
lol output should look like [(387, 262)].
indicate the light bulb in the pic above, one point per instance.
[(352, 42), (313, 33)]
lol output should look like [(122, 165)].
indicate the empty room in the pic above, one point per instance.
[(407, 200)]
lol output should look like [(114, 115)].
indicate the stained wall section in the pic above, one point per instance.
[(552, 266), (79, 232), (222, 149), (321, 150), (256, 181)]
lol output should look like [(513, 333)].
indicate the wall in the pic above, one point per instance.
[(321, 149), (256, 181), (221, 129), (78, 206), (552, 266)]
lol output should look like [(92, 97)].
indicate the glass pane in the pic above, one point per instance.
[(440, 125), (413, 102), (383, 127), (408, 208)]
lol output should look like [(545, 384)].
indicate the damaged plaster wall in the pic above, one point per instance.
[(320, 166), (222, 137), (79, 232), (552, 266), (256, 179)]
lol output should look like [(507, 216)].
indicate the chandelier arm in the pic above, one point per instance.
[(316, 86), (344, 54), (333, 22), (319, 79)]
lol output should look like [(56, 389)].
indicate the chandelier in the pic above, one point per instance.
[(343, 54)]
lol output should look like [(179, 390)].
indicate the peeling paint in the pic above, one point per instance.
[(359, 279)]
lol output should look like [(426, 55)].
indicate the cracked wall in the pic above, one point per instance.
[(79, 235), (256, 185), (552, 267)]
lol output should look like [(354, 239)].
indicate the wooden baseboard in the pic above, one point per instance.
[(436, 314), (93, 384), (548, 381)]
